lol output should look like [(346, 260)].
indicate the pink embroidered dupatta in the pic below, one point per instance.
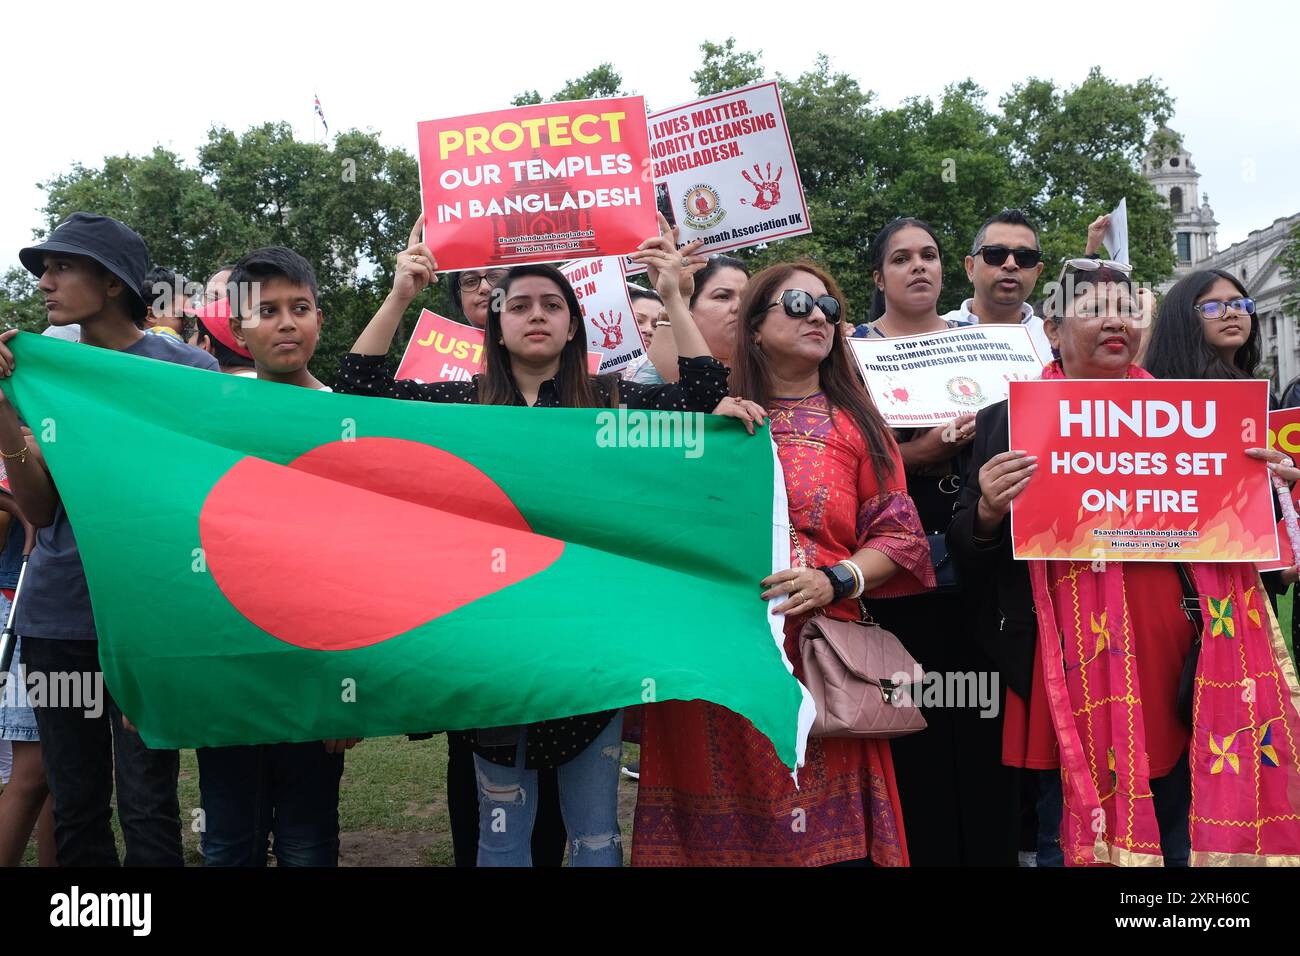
[(1245, 765)]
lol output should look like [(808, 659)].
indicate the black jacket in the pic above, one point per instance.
[(1006, 626)]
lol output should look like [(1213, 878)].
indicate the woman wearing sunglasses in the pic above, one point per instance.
[(712, 791), (959, 802)]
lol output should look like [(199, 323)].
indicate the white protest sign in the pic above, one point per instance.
[(1115, 239), (725, 171), (926, 380), (606, 310)]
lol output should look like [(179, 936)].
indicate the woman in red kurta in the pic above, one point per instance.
[(712, 789)]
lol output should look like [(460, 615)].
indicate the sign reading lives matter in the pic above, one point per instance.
[(724, 170), (441, 350), (537, 183), (607, 310), (921, 380), (1135, 470)]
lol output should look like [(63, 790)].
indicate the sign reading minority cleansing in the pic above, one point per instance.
[(725, 171), (537, 183), (926, 380), (1143, 470)]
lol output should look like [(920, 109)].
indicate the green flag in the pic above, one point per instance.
[(269, 563)]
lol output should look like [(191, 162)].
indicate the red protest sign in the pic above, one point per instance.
[(541, 183), (441, 350), (1284, 435), (607, 311), (1136, 470)]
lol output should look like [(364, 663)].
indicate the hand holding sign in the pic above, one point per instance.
[(668, 267), (1002, 478), (416, 266)]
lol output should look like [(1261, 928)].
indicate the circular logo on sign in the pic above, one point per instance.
[(965, 390), (703, 208)]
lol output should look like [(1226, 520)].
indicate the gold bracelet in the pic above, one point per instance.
[(19, 456)]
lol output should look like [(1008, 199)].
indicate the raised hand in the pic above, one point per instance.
[(416, 266), (767, 186), (1096, 230), (1002, 478), (661, 252)]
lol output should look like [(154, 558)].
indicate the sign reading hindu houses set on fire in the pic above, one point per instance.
[(1143, 470), (925, 380), (542, 183)]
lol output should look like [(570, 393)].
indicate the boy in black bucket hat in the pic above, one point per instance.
[(90, 269)]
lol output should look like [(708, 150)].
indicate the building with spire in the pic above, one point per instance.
[(1254, 260)]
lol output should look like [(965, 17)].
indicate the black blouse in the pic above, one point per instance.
[(703, 385)]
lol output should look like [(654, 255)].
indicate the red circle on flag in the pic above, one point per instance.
[(356, 542)]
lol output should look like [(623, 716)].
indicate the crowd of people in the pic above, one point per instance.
[(908, 526)]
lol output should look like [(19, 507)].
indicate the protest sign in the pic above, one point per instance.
[(925, 380), (1284, 435), (1115, 238), (537, 183), (441, 350), (725, 171), (607, 310), (1135, 470)]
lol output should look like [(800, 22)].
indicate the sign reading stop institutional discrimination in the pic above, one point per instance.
[(1143, 470), (441, 350), (541, 183), (926, 380), (606, 310), (725, 171)]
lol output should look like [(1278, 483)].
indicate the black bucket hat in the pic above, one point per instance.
[(114, 245)]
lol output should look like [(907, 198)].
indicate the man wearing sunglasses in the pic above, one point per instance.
[(1003, 267)]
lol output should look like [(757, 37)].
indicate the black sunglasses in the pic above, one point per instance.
[(996, 255), (799, 304)]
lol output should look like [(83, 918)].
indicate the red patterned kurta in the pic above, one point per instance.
[(712, 789)]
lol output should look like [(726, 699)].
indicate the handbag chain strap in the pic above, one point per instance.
[(802, 558)]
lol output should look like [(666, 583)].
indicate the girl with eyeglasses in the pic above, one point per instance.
[(1207, 329), (712, 791)]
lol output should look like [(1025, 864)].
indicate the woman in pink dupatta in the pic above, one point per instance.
[(1139, 787), (712, 791)]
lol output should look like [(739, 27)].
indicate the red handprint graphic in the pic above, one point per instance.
[(611, 328), (769, 187)]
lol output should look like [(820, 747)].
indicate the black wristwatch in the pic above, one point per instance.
[(842, 580)]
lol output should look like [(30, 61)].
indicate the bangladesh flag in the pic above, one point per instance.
[(270, 563)]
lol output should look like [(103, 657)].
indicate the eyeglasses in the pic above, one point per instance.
[(799, 304), (997, 255), (1218, 308), (469, 281)]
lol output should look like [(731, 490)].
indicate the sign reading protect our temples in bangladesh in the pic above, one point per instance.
[(543, 183)]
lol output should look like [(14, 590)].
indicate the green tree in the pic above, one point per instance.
[(1289, 257), (598, 82), (21, 305), (347, 208), (723, 68)]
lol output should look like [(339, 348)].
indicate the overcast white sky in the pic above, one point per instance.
[(84, 80)]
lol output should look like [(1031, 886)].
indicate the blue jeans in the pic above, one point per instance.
[(250, 793), (507, 800), (1171, 795)]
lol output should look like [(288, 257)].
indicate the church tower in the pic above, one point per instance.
[(1172, 173)]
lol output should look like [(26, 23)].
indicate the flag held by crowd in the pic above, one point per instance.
[(332, 566)]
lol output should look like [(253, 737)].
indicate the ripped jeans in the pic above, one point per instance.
[(507, 800)]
